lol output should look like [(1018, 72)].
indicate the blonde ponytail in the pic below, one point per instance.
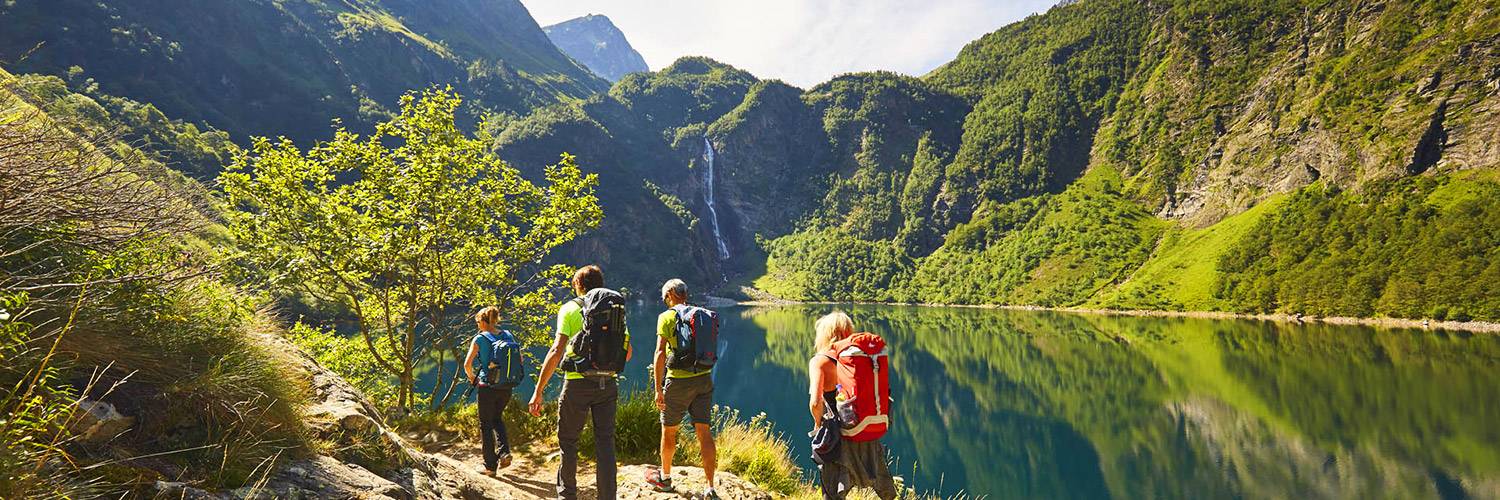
[(832, 328)]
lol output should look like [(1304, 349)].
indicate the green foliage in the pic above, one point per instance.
[(752, 450), (1077, 242), (126, 312), (820, 265), (209, 390), (142, 129), (1040, 87), (350, 358), (35, 412), (401, 226), (675, 204), (1183, 271), (883, 130), (691, 90), (1414, 248)]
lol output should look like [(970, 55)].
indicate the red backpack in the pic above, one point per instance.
[(864, 398)]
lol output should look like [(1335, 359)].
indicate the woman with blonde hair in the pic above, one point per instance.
[(844, 464)]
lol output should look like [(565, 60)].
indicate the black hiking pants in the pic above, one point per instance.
[(582, 398), (492, 401)]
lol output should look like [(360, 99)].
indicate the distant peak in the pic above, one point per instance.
[(596, 42)]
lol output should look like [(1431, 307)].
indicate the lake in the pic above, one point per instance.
[(1033, 404)]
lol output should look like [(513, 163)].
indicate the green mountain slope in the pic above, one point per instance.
[(1184, 116), (1108, 153), (1326, 157), (288, 68)]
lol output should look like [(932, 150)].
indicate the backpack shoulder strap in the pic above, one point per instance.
[(489, 336)]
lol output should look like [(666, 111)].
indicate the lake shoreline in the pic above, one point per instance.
[(1465, 326)]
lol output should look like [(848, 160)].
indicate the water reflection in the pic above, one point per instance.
[(1038, 404)]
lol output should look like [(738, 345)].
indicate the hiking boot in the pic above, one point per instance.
[(487, 471), (505, 461), (709, 494), (659, 483)]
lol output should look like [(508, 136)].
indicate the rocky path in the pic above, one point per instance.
[(423, 468), (531, 476)]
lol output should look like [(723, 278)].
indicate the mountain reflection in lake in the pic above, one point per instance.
[(1027, 404)]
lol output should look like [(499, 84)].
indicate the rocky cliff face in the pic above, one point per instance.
[(1341, 94), (595, 41)]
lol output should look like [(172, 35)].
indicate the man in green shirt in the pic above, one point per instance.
[(583, 395), (680, 391)]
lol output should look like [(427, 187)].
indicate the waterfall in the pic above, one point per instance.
[(708, 199)]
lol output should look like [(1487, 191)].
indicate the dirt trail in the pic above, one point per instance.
[(531, 475)]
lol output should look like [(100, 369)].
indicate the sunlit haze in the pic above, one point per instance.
[(803, 42)]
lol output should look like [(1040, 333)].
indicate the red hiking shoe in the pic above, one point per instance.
[(659, 483)]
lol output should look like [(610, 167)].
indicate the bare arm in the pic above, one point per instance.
[(659, 364), (469, 361), (554, 356), (815, 389)]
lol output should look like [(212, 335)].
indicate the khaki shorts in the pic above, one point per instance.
[(692, 395)]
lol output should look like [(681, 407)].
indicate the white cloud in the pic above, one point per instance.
[(804, 42)]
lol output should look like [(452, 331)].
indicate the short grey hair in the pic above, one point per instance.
[(676, 287)]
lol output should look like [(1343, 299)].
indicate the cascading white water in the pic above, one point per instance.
[(708, 199)]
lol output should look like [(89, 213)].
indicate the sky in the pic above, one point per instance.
[(803, 42)]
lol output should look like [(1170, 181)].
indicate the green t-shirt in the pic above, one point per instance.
[(666, 327), (570, 322)]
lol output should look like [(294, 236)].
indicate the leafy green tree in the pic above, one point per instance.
[(405, 226)]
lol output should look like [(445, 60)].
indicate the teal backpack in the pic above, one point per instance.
[(503, 367)]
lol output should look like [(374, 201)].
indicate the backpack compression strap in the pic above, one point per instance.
[(488, 351)]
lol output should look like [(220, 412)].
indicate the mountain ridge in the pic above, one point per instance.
[(596, 42), (269, 68)]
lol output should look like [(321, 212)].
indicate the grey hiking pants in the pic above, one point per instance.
[(581, 398)]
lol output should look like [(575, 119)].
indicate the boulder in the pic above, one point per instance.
[(325, 477)]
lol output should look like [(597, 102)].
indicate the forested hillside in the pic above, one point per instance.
[(1107, 153), (263, 67), (1324, 157)]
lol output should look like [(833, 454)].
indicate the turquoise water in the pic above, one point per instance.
[(1025, 404)]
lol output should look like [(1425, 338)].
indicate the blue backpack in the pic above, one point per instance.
[(503, 367), (697, 339)]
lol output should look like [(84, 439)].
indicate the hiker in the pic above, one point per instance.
[(686, 343), (850, 405), (496, 355), (591, 349)]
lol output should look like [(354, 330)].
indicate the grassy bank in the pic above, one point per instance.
[(112, 303)]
